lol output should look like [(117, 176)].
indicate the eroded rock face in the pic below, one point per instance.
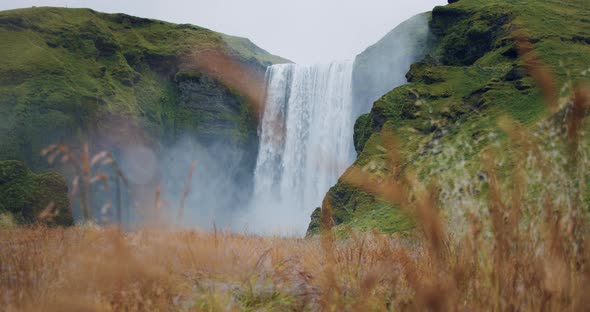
[(214, 109), (29, 196)]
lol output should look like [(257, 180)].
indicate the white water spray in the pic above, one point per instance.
[(305, 143)]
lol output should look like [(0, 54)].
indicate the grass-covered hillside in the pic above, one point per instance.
[(70, 75), (495, 62)]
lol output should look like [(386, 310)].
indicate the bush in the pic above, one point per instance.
[(27, 196)]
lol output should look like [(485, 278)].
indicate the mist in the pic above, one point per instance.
[(219, 187), (383, 65)]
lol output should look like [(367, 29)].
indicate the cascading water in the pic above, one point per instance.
[(306, 132), (305, 143)]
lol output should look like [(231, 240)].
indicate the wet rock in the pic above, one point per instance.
[(315, 226)]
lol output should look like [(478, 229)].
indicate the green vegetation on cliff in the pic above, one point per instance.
[(72, 74), (25, 196), (474, 78)]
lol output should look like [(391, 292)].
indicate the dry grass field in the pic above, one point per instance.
[(87, 268)]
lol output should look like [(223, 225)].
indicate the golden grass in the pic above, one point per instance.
[(103, 269), (515, 268), (89, 268)]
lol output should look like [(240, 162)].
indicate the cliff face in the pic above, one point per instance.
[(130, 85), (456, 95), (75, 74)]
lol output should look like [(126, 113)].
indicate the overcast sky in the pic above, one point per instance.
[(304, 31)]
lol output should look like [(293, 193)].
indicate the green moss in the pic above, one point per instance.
[(63, 71), (7, 220), (158, 99), (384, 218), (315, 226), (258, 298), (362, 132), (459, 93), (25, 195), (467, 33), (246, 49)]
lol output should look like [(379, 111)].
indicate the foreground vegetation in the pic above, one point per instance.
[(527, 249), (94, 269)]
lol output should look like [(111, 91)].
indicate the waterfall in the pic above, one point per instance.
[(306, 130), (305, 143)]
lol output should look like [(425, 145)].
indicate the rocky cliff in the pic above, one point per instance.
[(130, 85), (77, 74), (448, 112)]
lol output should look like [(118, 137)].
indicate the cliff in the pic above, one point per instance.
[(69, 75), (136, 87), (456, 95)]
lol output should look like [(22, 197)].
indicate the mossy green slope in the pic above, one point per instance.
[(26, 195), (65, 73), (474, 77)]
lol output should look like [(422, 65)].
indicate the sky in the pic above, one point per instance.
[(304, 31)]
